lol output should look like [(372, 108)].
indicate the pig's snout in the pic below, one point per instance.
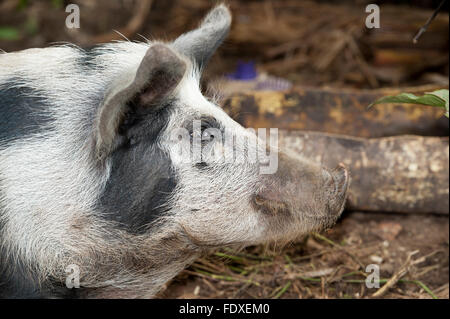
[(303, 189)]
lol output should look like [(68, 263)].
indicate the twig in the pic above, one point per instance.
[(327, 57), (202, 273), (311, 274), (362, 64), (322, 285), (282, 290), (416, 282), (404, 269), (243, 287), (442, 288), (425, 27)]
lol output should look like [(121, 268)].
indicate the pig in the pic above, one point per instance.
[(94, 191)]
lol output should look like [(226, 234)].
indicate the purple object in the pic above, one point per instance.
[(244, 71)]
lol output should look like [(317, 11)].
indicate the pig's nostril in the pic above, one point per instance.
[(259, 200), (340, 177)]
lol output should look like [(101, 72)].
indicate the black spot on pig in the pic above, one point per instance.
[(18, 280), (22, 111), (87, 59), (142, 178)]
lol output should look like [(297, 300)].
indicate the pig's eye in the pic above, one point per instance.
[(207, 130), (207, 135), (203, 133)]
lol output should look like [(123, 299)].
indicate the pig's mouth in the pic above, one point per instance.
[(269, 206)]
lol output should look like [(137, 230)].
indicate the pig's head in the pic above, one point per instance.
[(193, 166)]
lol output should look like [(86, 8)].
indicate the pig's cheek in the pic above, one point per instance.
[(239, 227)]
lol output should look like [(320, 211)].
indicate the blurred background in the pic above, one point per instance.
[(309, 66), (312, 43)]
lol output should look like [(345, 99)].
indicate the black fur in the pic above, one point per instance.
[(22, 112), (142, 178), (87, 60), (19, 281)]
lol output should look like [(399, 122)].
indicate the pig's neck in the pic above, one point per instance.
[(150, 274)]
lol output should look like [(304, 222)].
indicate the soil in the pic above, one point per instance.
[(314, 268)]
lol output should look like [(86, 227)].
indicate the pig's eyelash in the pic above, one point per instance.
[(206, 122), (210, 122)]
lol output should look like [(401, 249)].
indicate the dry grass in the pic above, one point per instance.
[(330, 265)]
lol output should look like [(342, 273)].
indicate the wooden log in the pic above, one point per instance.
[(405, 174), (336, 111)]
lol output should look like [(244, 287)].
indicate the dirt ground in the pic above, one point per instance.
[(286, 39), (330, 265)]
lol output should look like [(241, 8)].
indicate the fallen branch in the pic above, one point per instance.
[(337, 111), (405, 174)]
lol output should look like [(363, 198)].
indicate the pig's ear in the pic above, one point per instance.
[(201, 43), (157, 76)]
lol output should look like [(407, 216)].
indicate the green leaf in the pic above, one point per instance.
[(438, 98), (443, 94), (7, 33)]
